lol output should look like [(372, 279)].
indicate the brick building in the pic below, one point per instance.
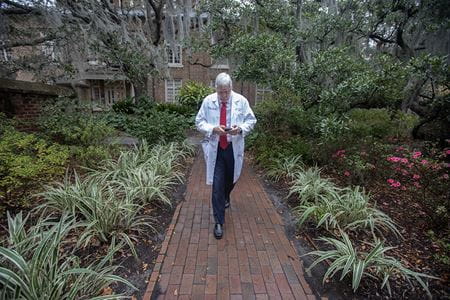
[(105, 87)]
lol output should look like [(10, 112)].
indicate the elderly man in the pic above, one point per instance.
[(225, 118)]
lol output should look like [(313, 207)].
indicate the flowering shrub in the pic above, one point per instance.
[(426, 177), (356, 166)]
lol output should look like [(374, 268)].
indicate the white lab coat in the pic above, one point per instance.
[(208, 117)]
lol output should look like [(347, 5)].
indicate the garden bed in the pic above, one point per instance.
[(418, 251)]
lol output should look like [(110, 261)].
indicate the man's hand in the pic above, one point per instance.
[(235, 130), (220, 130)]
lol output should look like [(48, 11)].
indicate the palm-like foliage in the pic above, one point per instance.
[(106, 212), (350, 210), (108, 201), (311, 187), (44, 271), (375, 264), (285, 167), (335, 208), (145, 185)]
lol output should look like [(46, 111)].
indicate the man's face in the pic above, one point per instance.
[(224, 93)]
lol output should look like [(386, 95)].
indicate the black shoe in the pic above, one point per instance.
[(227, 203), (218, 231)]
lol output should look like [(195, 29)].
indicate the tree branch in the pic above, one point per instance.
[(30, 42)]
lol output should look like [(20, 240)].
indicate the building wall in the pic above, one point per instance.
[(200, 69)]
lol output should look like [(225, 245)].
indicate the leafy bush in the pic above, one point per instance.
[(424, 176), (158, 127), (125, 106), (26, 161), (42, 270), (192, 94), (370, 122), (174, 108), (85, 134), (374, 264), (70, 124), (5, 123)]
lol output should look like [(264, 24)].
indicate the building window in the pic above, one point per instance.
[(174, 55), (220, 63), (97, 92), (6, 55), (48, 49), (173, 87), (262, 93)]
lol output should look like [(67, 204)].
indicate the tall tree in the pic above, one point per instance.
[(130, 36)]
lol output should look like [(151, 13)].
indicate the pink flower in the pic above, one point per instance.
[(417, 154), (404, 160), (399, 149), (424, 162), (417, 185), (396, 184), (404, 172), (347, 173), (339, 153), (447, 151), (445, 176), (390, 180), (403, 188), (415, 176), (394, 159)]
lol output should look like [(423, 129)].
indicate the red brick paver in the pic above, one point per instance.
[(254, 259)]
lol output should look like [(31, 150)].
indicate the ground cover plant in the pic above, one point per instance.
[(106, 210)]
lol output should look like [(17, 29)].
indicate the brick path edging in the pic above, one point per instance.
[(162, 253)]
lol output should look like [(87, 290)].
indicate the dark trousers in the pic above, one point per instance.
[(222, 182)]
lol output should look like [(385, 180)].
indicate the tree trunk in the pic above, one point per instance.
[(412, 91), (140, 90)]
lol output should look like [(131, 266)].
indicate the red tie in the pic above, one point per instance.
[(223, 142)]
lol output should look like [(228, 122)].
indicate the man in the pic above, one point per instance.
[(225, 118)]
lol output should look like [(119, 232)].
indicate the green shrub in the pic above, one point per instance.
[(380, 123), (91, 156), (144, 105), (374, 264), (70, 124), (192, 94), (5, 123), (26, 161), (157, 127), (125, 106), (175, 108), (34, 266)]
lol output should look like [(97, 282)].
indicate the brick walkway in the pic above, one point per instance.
[(254, 259)]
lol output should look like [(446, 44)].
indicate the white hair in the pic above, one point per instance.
[(223, 79)]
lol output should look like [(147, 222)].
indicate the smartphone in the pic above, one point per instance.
[(227, 128)]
